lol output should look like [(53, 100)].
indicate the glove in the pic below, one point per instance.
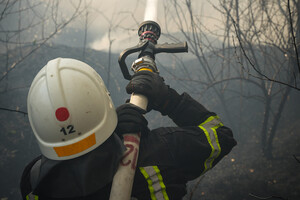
[(160, 96), (131, 120)]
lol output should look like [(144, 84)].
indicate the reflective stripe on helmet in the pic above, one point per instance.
[(77, 147), (155, 182), (209, 128)]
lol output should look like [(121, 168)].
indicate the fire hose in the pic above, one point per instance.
[(148, 32)]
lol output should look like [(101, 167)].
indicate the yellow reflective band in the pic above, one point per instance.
[(151, 189), (32, 197), (163, 187), (209, 128), (76, 147), (212, 149), (217, 138), (155, 182), (145, 69), (210, 119)]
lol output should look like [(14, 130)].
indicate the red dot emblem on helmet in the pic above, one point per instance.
[(62, 114)]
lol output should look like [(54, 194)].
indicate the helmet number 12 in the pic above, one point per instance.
[(68, 130)]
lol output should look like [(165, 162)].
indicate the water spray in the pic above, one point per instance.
[(149, 32), (151, 10)]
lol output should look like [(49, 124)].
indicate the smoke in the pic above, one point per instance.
[(122, 18), (118, 41)]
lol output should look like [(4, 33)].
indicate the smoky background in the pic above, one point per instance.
[(243, 64)]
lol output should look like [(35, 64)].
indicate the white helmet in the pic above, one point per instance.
[(69, 109)]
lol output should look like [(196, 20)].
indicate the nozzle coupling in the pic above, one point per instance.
[(143, 63), (149, 30)]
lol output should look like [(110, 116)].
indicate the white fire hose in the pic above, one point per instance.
[(123, 179)]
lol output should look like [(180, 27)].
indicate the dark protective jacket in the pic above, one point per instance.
[(169, 157)]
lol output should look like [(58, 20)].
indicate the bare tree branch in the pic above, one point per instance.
[(296, 158), (269, 197), (253, 66), (58, 28), (196, 186), (293, 35), (11, 110)]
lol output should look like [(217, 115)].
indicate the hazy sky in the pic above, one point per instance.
[(122, 17), (127, 14)]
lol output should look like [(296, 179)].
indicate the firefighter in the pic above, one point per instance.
[(79, 133)]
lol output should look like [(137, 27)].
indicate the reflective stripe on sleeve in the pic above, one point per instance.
[(155, 182), (209, 128), (32, 197)]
